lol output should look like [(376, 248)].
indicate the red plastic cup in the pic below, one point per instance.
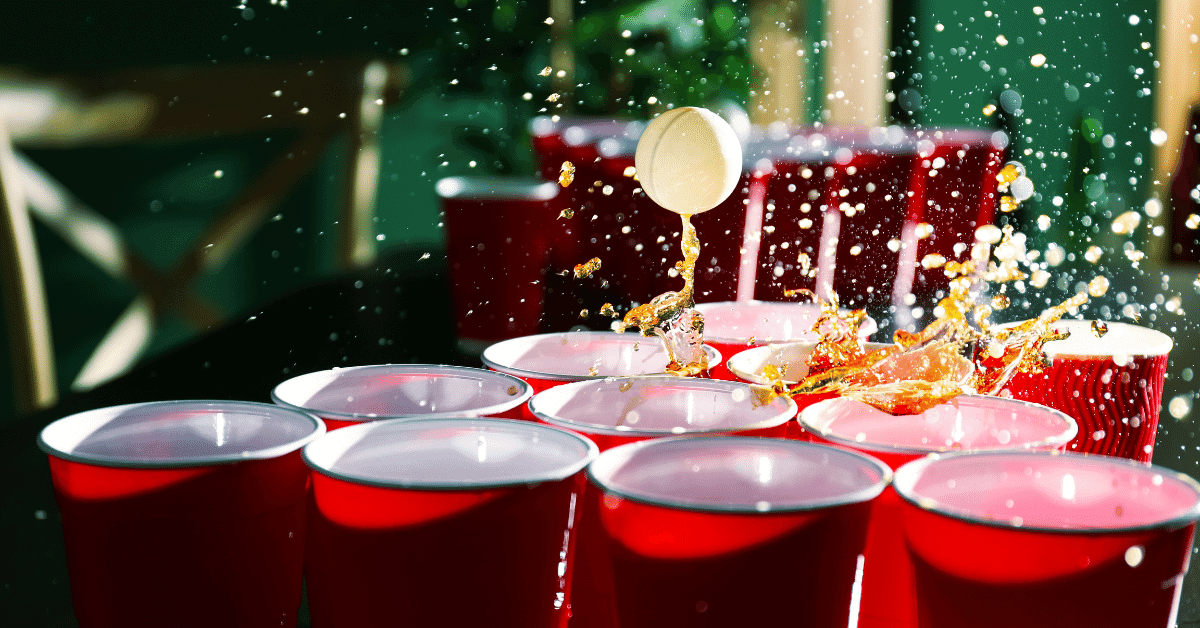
[(183, 513), (617, 410), (1065, 541), (733, 326), (498, 239), (792, 361), (347, 396), (735, 531), (967, 422), (446, 522), (1112, 386), (547, 360)]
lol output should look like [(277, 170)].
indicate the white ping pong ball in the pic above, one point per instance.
[(688, 160)]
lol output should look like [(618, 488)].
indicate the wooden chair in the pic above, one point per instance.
[(170, 104)]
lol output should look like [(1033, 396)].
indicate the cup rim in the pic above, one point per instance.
[(906, 476), (1050, 442), (588, 428), (353, 433), (515, 402), (868, 327), (613, 458), (713, 355), (266, 453)]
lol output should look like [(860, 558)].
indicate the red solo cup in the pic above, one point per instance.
[(187, 513), (347, 396), (1062, 541), (792, 361), (497, 227), (410, 516), (838, 196), (732, 326), (967, 422), (1112, 386), (548, 360), (619, 410), (954, 190), (735, 531)]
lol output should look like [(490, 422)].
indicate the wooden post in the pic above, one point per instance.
[(779, 51), (856, 61), (1177, 89), (24, 293)]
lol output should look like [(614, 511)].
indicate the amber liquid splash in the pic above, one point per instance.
[(672, 316)]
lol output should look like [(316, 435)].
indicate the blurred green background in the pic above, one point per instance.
[(1079, 122)]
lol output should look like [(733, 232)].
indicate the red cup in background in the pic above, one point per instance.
[(444, 522), (548, 360), (967, 422), (346, 396), (498, 240), (615, 411), (1111, 385), (735, 531), (1067, 541), (187, 513)]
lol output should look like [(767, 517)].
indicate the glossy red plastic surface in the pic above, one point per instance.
[(499, 557), (205, 546)]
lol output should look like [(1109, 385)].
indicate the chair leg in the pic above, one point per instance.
[(357, 244), (24, 293)]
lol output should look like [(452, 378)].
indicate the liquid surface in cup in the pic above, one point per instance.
[(656, 406), (410, 516), (998, 537), (1119, 340), (405, 390), (175, 434), (967, 422), (577, 355), (733, 531)]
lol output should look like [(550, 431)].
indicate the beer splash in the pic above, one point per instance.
[(961, 351), (672, 317)]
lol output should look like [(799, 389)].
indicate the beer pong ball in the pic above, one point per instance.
[(688, 160)]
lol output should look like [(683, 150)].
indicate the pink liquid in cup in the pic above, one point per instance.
[(1063, 541), (183, 513), (446, 522), (1111, 385), (548, 360), (347, 396), (734, 531), (967, 422), (497, 227), (615, 411)]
